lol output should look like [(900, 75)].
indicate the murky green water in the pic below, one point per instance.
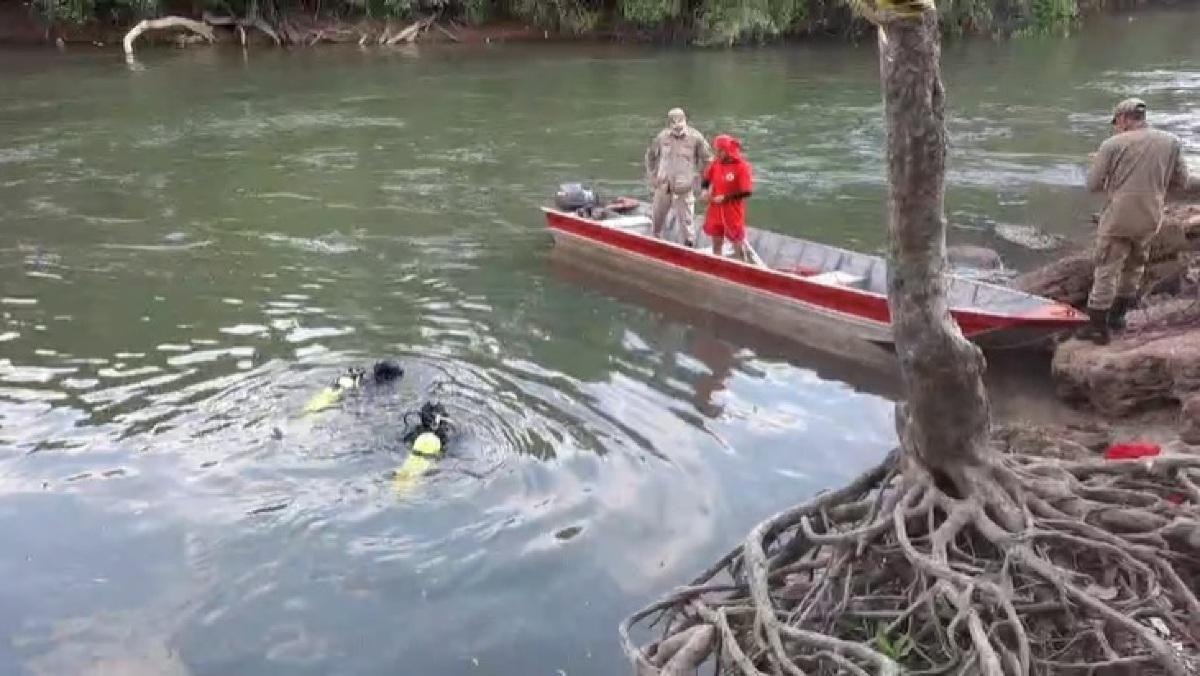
[(191, 247)]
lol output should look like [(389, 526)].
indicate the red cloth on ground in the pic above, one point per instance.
[(1131, 451)]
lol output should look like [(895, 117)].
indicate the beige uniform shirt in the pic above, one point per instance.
[(677, 160), (1136, 169)]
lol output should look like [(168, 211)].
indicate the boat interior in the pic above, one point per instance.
[(835, 266)]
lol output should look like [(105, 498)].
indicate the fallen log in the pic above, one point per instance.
[(410, 34), (198, 27)]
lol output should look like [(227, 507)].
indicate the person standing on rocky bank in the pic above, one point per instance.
[(673, 164), (1135, 168)]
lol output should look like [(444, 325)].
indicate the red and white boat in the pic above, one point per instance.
[(796, 288)]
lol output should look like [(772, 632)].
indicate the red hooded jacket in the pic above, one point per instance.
[(733, 179)]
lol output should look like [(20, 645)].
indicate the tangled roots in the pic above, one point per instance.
[(1046, 567)]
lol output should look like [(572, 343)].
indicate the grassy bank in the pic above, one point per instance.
[(706, 22)]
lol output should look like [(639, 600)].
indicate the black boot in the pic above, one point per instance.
[(1097, 329), (1116, 316)]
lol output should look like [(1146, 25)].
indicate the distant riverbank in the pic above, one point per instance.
[(103, 23)]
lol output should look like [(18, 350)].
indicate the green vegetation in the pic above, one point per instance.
[(82, 11), (897, 650), (708, 22)]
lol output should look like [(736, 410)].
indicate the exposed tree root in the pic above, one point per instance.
[(1050, 567)]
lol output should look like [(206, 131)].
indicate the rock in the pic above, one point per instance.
[(1164, 314), (1063, 443), (1170, 240), (976, 257), (1138, 370), (1180, 232), (1189, 420), (1165, 277), (1180, 447), (1156, 360), (1184, 212), (1067, 280)]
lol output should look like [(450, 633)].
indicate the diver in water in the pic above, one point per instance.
[(384, 371), (427, 440)]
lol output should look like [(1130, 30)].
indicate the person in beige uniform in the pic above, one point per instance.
[(1135, 168), (674, 161)]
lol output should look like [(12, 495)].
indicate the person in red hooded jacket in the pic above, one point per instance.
[(727, 182)]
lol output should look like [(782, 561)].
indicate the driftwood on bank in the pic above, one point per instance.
[(256, 22), (410, 33), (286, 32), (165, 23)]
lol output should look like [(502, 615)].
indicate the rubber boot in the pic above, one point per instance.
[(1116, 316), (1097, 329)]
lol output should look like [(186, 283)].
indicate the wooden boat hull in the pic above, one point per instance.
[(786, 304)]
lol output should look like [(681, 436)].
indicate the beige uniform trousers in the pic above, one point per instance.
[(1120, 264), (683, 205)]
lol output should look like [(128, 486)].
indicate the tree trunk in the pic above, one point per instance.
[(944, 422)]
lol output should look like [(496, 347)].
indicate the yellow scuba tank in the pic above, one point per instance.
[(331, 395), (426, 450), (323, 399)]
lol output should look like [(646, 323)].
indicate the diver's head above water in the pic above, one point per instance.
[(386, 371), (431, 419)]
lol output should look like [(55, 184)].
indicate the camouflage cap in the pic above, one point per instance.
[(1132, 105), (676, 115)]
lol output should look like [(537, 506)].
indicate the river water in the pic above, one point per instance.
[(193, 244)]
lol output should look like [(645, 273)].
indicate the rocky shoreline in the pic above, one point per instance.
[(1154, 364)]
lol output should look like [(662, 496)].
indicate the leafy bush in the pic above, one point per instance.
[(729, 21)]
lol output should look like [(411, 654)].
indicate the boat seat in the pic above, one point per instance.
[(838, 278), (801, 271), (628, 222)]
